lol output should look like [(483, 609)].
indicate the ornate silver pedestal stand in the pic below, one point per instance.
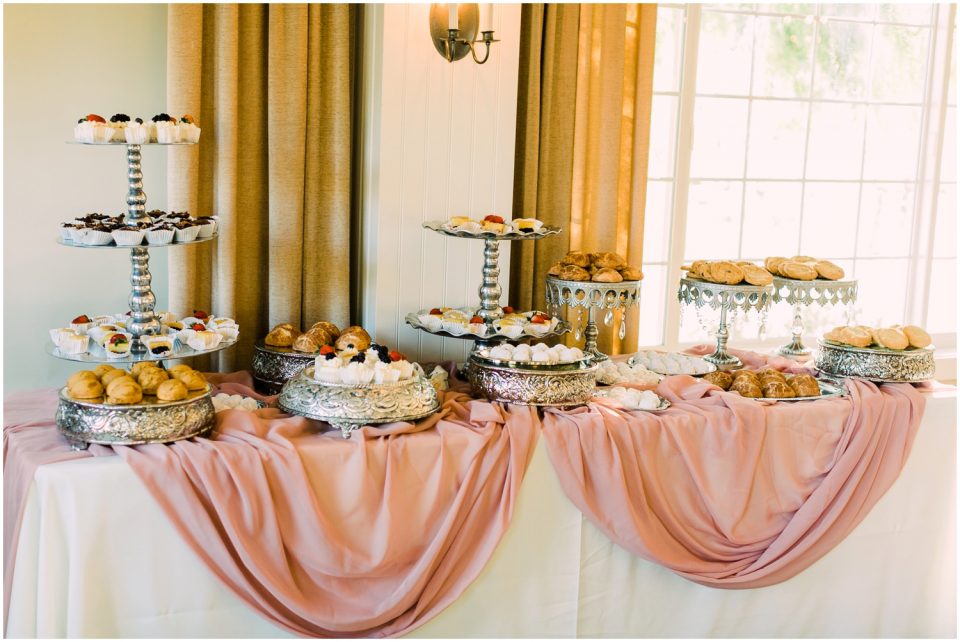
[(594, 297), (726, 298), (806, 293)]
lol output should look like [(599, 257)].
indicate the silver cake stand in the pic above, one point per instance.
[(726, 298), (800, 294), (593, 297)]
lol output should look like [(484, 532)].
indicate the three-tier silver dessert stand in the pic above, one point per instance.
[(594, 297), (725, 298), (800, 294), (84, 422)]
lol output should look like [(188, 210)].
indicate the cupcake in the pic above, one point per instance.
[(189, 130), (185, 231), (136, 132), (57, 333), (229, 334), (204, 340), (73, 343), (185, 335), (216, 323), (67, 231), (161, 234), (539, 324), (510, 327), (158, 346), (526, 225), (455, 322), (92, 129), (165, 129), (97, 234), (117, 345), (127, 236), (118, 123), (81, 323), (207, 226)]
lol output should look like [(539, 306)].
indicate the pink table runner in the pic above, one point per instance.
[(729, 492), (326, 537)]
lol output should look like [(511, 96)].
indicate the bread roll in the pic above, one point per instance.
[(175, 371), (171, 390), (281, 337), (747, 387), (353, 339), (804, 385), (573, 273), (607, 275), (580, 259), (917, 336), (124, 391), (330, 328), (193, 380), (608, 260), (306, 343), (719, 378), (85, 388), (150, 378)]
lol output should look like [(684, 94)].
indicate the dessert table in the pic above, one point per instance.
[(98, 557)]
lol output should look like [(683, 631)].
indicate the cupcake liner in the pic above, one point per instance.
[(76, 234), (83, 132), (159, 237), (511, 331), (204, 341), (431, 321), (206, 230), (127, 237), (119, 135), (154, 343), (112, 354), (184, 336), (82, 328), (186, 234), (96, 237), (189, 133), (229, 334), (102, 134), (66, 233), (168, 133), (137, 134), (74, 343), (57, 333)]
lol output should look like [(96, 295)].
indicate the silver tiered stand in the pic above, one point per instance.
[(85, 422), (490, 291), (594, 297), (726, 298), (806, 293)]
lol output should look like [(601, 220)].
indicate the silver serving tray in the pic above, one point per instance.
[(604, 393), (828, 389), (632, 361), (96, 354), (151, 421), (348, 406), (113, 244), (561, 328), (593, 285), (274, 366), (570, 366), (881, 365), (559, 385), (546, 230)]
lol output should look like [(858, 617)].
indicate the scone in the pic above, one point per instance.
[(828, 270), (81, 374), (281, 337), (140, 366), (150, 379), (580, 259), (607, 275), (573, 273), (610, 260), (85, 388), (917, 336), (124, 391), (174, 371), (102, 369), (171, 390)]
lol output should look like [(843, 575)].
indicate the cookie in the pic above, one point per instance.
[(773, 263), (917, 336), (892, 338), (725, 272), (798, 271), (828, 270), (756, 275)]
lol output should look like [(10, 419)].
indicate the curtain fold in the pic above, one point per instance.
[(583, 131), (272, 87)]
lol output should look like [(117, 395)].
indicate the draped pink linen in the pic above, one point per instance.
[(326, 537), (727, 491)]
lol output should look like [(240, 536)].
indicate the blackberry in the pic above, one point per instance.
[(360, 357)]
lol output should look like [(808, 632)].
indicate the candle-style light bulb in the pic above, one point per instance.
[(486, 17), (453, 21)]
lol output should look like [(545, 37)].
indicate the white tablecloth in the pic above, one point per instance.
[(97, 558)]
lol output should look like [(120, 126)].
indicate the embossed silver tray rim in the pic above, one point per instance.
[(881, 365), (521, 386)]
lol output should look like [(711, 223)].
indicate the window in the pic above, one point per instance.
[(784, 129)]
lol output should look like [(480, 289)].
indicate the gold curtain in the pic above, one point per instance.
[(583, 133), (272, 88)]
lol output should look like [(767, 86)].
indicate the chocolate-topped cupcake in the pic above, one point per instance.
[(160, 234), (207, 224), (185, 230)]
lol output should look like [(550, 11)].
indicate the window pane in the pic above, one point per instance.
[(835, 149), (881, 291), (713, 219), (886, 216), (783, 58), (669, 49), (899, 63), (841, 60), (789, 8), (771, 219), (851, 10), (829, 219), (945, 235), (893, 136), (652, 299), (948, 159), (663, 136), (723, 65), (719, 137), (656, 221), (777, 132), (918, 14), (942, 308)]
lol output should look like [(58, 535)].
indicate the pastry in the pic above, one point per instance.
[(747, 387), (189, 130), (158, 346), (555, 269), (804, 386), (73, 343), (725, 272), (828, 270), (457, 221), (493, 223), (205, 340), (333, 330), (85, 388), (110, 375), (140, 366), (917, 336), (193, 380), (798, 271), (891, 338), (755, 275), (608, 260), (526, 225), (117, 344), (803, 258), (579, 259), (124, 391), (774, 388), (125, 376), (171, 390), (607, 275), (104, 368), (719, 378), (306, 343), (322, 337), (773, 263), (573, 273), (281, 336), (631, 274), (175, 371), (81, 374), (150, 378)]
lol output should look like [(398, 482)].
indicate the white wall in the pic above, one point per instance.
[(62, 62), (439, 140)]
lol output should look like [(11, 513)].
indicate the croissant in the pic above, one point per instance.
[(804, 386), (747, 387), (321, 336), (719, 378), (555, 269), (171, 390), (776, 389)]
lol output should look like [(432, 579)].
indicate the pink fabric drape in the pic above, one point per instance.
[(326, 537), (729, 492)]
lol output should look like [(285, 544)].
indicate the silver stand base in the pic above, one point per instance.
[(724, 360)]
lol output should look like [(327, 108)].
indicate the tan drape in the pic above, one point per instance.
[(272, 88), (583, 132)]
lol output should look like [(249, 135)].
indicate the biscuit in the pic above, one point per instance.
[(773, 263), (756, 275), (892, 338), (798, 271), (828, 270), (917, 336)]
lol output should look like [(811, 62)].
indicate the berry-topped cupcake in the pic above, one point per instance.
[(118, 122), (165, 129), (189, 129), (93, 128), (137, 132)]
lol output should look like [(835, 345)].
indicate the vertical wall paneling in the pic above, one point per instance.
[(438, 141)]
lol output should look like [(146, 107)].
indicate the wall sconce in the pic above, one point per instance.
[(454, 27)]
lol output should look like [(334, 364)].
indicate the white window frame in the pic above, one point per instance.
[(927, 183)]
